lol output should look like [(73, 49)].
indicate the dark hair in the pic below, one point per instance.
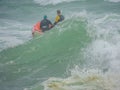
[(58, 11)]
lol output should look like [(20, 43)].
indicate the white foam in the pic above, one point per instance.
[(53, 2), (113, 1), (13, 33), (74, 15), (86, 79), (104, 50), (105, 47), (9, 42)]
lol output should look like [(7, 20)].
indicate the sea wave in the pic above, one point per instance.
[(53, 2), (115, 1), (84, 80)]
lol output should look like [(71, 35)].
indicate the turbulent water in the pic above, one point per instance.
[(80, 53)]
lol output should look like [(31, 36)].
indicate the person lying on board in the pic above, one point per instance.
[(42, 26), (45, 24)]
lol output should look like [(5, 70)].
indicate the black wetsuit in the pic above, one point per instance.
[(45, 25)]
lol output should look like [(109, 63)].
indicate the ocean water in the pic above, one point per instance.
[(80, 53)]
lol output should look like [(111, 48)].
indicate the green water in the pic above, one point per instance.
[(80, 53), (46, 55)]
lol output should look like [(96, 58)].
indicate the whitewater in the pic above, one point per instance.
[(80, 53)]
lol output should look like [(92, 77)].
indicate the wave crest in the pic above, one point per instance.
[(53, 2), (113, 1)]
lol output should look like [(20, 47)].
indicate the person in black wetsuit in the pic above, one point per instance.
[(45, 24)]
